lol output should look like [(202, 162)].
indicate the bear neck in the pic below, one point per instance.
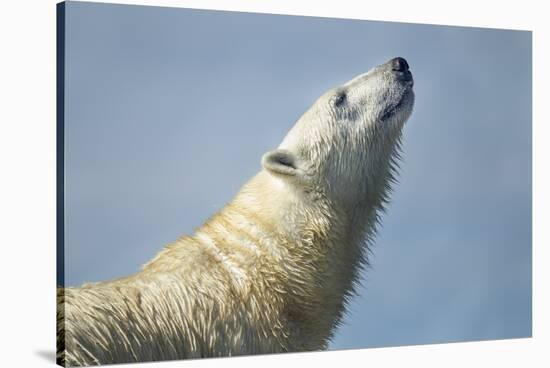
[(323, 247)]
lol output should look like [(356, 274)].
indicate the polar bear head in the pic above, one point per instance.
[(346, 144)]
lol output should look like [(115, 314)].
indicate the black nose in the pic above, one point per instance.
[(399, 64)]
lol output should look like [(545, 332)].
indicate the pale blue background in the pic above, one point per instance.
[(168, 112)]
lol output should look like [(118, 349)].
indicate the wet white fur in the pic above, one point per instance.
[(272, 271)]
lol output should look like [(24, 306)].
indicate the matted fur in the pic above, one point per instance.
[(273, 270)]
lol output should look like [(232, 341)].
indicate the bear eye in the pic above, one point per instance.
[(339, 99)]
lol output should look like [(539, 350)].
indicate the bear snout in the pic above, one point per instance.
[(399, 64)]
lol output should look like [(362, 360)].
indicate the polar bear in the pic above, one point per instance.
[(273, 270)]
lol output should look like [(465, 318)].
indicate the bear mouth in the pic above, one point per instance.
[(392, 109)]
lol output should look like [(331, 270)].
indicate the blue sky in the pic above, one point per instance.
[(168, 112)]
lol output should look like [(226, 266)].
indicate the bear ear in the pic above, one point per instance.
[(280, 162)]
